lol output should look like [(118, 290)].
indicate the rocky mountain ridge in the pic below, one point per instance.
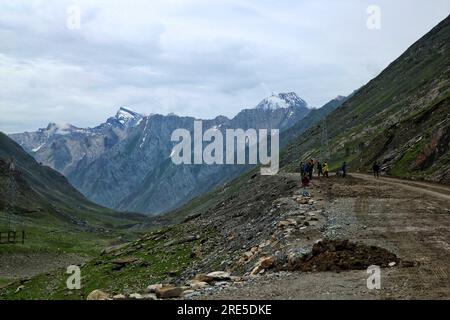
[(124, 163)]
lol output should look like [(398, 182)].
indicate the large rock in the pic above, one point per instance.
[(169, 292), (136, 296), (98, 295), (152, 288), (267, 262), (219, 276), (263, 264)]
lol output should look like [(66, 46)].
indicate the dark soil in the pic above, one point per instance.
[(340, 255)]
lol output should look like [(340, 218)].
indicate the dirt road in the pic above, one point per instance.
[(411, 219), (439, 191)]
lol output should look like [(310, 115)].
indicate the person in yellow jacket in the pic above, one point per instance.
[(325, 169)]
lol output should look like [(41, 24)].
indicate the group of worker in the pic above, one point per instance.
[(322, 169), (307, 170)]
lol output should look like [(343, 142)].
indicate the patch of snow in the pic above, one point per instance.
[(272, 103), (145, 134), (281, 101), (38, 148)]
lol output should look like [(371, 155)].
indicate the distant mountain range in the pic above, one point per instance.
[(124, 163)]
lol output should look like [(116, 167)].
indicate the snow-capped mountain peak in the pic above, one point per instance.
[(282, 101), (293, 99)]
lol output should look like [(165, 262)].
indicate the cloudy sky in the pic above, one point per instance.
[(191, 57)]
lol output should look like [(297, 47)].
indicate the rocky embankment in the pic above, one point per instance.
[(277, 228)]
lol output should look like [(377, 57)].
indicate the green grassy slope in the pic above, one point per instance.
[(54, 215), (155, 258), (312, 119)]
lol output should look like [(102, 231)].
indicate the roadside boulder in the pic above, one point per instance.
[(136, 296), (264, 263), (152, 288), (169, 292), (98, 295), (219, 276)]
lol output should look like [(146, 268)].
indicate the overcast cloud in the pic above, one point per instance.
[(191, 57)]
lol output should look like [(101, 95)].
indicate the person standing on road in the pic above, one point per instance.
[(376, 170), (302, 169), (307, 168), (344, 169), (319, 169), (311, 169), (326, 169)]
